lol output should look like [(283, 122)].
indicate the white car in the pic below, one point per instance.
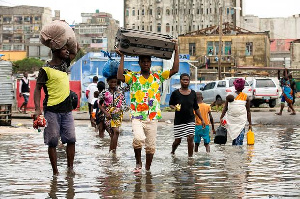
[(218, 90), (265, 90)]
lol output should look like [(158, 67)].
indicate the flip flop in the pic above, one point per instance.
[(137, 170), (293, 114)]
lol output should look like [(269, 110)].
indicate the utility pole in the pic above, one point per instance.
[(220, 42)]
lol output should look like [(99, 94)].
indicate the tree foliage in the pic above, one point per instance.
[(80, 54), (27, 65)]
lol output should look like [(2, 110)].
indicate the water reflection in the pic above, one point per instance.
[(270, 168)]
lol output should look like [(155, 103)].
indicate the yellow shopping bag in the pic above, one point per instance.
[(250, 137)]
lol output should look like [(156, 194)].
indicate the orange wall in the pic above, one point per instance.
[(13, 55)]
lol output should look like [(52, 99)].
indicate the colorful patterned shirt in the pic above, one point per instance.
[(145, 94)]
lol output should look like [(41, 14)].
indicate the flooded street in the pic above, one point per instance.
[(268, 169)]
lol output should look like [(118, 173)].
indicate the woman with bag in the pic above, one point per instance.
[(237, 112), (112, 104)]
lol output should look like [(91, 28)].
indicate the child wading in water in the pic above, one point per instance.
[(199, 130), (112, 103)]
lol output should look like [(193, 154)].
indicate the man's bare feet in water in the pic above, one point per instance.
[(71, 171)]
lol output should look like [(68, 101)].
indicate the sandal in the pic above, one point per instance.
[(137, 170), (293, 114)]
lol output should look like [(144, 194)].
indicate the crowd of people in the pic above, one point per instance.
[(107, 105)]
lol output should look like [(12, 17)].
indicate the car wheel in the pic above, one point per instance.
[(272, 103), (218, 99), (256, 104)]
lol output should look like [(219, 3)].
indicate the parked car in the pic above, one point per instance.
[(218, 90), (265, 90)]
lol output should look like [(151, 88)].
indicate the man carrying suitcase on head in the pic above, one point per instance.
[(145, 104)]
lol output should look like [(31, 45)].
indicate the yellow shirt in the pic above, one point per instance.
[(204, 109)]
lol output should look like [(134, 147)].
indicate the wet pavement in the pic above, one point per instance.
[(269, 169)]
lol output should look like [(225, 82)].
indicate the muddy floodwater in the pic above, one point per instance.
[(269, 169)]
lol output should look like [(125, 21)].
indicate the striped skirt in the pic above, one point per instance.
[(183, 130)]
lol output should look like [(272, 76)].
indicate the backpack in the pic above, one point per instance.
[(74, 99)]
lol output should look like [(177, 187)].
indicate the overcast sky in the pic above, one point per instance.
[(70, 10)]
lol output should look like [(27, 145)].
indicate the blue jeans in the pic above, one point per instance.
[(239, 139)]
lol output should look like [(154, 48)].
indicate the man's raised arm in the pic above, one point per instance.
[(120, 74), (175, 67)]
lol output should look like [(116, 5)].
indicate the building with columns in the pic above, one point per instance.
[(177, 17)]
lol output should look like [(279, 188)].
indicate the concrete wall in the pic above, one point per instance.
[(280, 28), (295, 55)]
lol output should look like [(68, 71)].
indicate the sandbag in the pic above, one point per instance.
[(110, 68), (57, 34)]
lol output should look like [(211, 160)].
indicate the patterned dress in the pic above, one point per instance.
[(114, 103), (287, 92)]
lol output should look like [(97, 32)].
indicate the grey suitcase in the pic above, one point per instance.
[(136, 42)]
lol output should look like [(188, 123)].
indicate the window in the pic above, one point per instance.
[(143, 27), (133, 11), (209, 86), (168, 12), (167, 27), (150, 12), (158, 27), (216, 43), (133, 26), (150, 27), (27, 19), (143, 12), (37, 18), (227, 47), (262, 83), (158, 12), (18, 19), (6, 47), (6, 19), (18, 47), (221, 84), (127, 12), (249, 48), (192, 49), (232, 80)]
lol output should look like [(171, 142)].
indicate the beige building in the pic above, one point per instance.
[(295, 54), (239, 47), (97, 31), (282, 32), (20, 27), (181, 16)]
